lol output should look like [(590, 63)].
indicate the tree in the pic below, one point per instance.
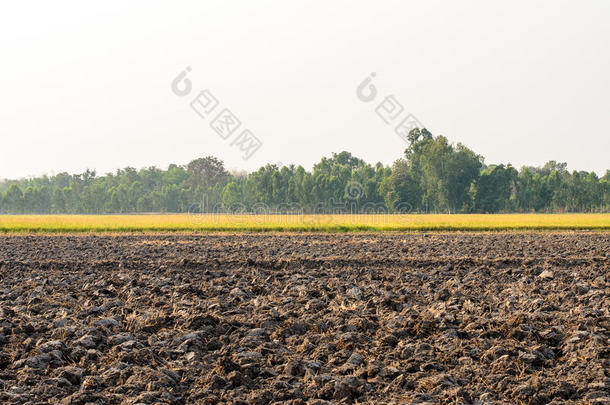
[(403, 188), (172, 198), (206, 172), (443, 172), (492, 190), (58, 203), (434, 175), (231, 198), (13, 199), (43, 200), (29, 200)]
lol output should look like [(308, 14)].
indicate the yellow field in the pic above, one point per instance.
[(332, 223)]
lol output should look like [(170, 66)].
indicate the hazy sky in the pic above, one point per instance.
[(88, 84)]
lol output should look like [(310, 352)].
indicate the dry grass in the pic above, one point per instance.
[(330, 223)]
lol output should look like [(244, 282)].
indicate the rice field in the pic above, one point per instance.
[(299, 223)]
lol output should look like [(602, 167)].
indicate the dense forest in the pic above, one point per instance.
[(432, 176)]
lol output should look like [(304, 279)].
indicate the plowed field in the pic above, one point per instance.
[(306, 318)]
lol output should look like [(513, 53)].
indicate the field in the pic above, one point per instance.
[(502, 318), (335, 223)]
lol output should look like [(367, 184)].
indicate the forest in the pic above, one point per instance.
[(433, 176)]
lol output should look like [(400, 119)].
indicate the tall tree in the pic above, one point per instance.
[(204, 173), (13, 199)]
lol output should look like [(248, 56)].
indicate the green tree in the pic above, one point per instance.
[(231, 197), (205, 172), (493, 188), (30, 200), (58, 203), (443, 172), (13, 199)]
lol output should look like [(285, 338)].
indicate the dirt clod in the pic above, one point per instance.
[(496, 318)]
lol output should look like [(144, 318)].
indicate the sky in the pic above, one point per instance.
[(94, 85)]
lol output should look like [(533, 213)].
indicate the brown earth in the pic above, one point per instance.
[(306, 318)]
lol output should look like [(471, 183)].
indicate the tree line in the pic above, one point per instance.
[(433, 176)]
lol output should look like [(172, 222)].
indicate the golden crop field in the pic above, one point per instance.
[(324, 223)]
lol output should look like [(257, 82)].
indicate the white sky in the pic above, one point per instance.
[(87, 85)]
